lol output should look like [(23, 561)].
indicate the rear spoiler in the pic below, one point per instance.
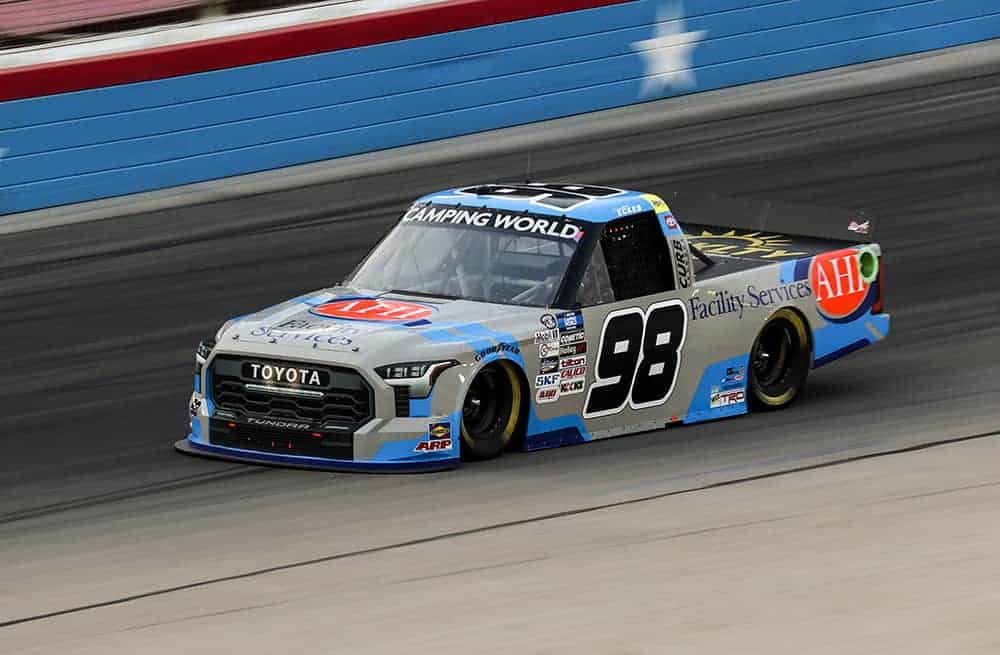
[(773, 217)]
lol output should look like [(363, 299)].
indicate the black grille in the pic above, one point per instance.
[(346, 403), (282, 441), (402, 400)]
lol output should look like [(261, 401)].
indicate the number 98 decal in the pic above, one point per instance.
[(639, 357)]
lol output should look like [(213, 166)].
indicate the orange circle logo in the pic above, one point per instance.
[(835, 278), (373, 309)]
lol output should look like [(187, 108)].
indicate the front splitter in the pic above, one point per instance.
[(312, 463)]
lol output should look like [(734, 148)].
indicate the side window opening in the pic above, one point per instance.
[(637, 257), (595, 288)]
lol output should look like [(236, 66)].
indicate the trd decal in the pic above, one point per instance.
[(639, 357)]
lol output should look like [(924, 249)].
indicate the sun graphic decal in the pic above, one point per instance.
[(765, 246)]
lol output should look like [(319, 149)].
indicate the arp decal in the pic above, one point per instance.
[(841, 291), (374, 309), (438, 438), (639, 358), (742, 244)]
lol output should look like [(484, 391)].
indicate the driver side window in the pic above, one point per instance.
[(595, 288)]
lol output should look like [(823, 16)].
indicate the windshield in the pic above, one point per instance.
[(520, 261)]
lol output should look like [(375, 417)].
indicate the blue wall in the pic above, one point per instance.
[(135, 137)]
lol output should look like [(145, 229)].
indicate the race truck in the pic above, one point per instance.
[(540, 315)]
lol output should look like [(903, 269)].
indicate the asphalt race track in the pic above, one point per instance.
[(864, 519)]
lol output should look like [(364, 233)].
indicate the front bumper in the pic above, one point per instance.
[(191, 447)]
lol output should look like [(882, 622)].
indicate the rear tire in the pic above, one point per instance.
[(779, 361), (491, 411)]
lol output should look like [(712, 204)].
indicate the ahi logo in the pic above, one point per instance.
[(841, 291), (374, 309)]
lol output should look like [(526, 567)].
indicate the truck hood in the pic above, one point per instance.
[(373, 328)]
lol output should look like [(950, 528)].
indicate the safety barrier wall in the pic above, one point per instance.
[(496, 66)]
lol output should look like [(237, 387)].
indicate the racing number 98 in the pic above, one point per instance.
[(639, 358)]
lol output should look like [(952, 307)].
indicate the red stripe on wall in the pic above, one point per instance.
[(271, 45)]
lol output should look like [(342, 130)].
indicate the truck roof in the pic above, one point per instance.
[(586, 202)]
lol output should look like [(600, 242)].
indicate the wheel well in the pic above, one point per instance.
[(810, 343), (522, 380)]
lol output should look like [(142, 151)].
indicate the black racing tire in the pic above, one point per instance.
[(779, 361), (491, 411)]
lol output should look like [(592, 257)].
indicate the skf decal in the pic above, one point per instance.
[(374, 309), (438, 438), (841, 292), (742, 244), (547, 380)]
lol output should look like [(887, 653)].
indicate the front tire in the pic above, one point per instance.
[(491, 411), (779, 361)]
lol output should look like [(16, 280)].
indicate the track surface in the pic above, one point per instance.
[(99, 321)]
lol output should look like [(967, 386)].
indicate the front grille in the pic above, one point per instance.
[(282, 441), (402, 395), (346, 403)]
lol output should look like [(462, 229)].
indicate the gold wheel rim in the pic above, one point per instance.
[(515, 406), (803, 342)]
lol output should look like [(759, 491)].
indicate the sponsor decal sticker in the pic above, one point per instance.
[(683, 260), (859, 228), (742, 244), (545, 336), (570, 322), (573, 361), (573, 349), (670, 221), (548, 365), (438, 438), (549, 321), (498, 349), (194, 406), (628, 210), (547, 394), (726, 397), (571, 387), (735, 375), (659, 206), (574, 337), (836, 278), (546, 350), (494, 219), (573, 373), (726, 302), (374, 309), (301, 331), (547, 380)]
